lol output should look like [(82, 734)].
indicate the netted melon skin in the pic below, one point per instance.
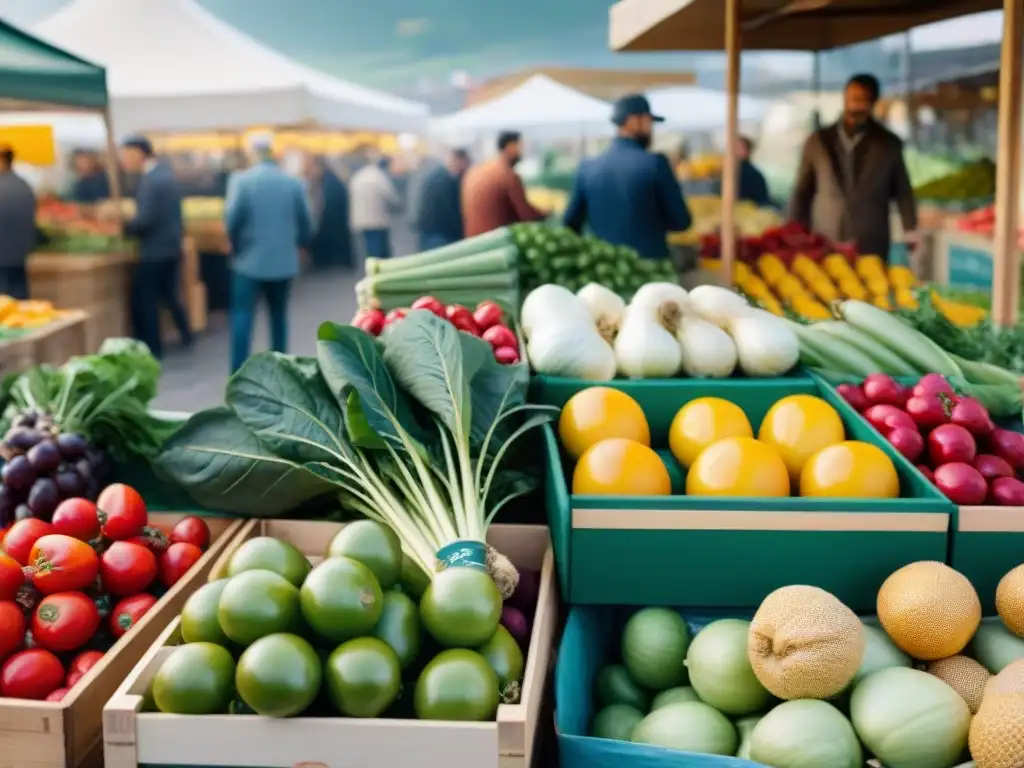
[(996, 738), (1010, 600), (965, 676)]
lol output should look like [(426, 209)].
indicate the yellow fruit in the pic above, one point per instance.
[(902, 277), (804, 643), (771, 268), (620, 467), (877, 286), (824, 289), (740, 271), (965, 676), (836, 267), (702, 422), (788, 285), (869, 267), (799, 426), (1010, 600), (996, 738), (597, 413), (738, 466), (850, 470), (905, 299), (882, 302), (771, 304), (852, 288), (929, 610), (811, 309)]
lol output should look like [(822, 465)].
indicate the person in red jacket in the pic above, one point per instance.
[(492, 192)]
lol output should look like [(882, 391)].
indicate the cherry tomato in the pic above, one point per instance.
[(72, 679), (129, 611), (152, 539), (84, 661), (122, 512), (3, 532), (127, 569), (11, 577), (191, 530), (176, 561), (64, 621), (78, 518), (23, 534), (57, 695), (12, 627), (62, 564), (31, 674)]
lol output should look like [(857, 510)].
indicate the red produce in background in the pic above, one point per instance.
[(951, 443), (961, 483)]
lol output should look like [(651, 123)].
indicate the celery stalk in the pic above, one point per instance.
[(485, 242), (484, 263), (495, 280)]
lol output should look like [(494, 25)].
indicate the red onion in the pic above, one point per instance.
[(517, 625)]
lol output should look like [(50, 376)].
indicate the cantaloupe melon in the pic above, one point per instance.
[(964, 675), (804, 643), (929, 610), (996, 737), (1010, 600)]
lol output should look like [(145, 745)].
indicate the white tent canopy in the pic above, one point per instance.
[(540, 106), (173, 66), (691, 108)]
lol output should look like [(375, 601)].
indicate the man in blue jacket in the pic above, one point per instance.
[(158, 227), (268, 222), (439, 204), (628, 195)]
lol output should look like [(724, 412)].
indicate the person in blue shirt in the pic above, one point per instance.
[(439, 203), (91, 181), (752, 187), (628, 195), (268, 222)]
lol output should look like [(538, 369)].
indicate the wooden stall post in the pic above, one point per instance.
[(730, 166), (1006, 258), (112, 164)]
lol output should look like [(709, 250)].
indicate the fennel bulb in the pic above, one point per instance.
[(551, 304), (716, 304), (606, 307), (574, 351), (707, 350), (644, 349), (765, 345), (668, 301)]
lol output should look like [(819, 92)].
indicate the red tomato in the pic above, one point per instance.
[(78, 518), (3, 532), (57, 695), (127, 569), (12, 627), (62, 564), (84, 661), (176, 561), (129, 611), (72, 679), (64, 622), (31, 674), (23, 534), (11, 577), (122, 512), (152, 539), (191, 530)]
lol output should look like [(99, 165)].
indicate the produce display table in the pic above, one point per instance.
[(50, 344)]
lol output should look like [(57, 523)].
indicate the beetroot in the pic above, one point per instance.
[(991, 466), (886, 418), (932, 384), (951, 443), (1008, 445), (961, 483), (852, 394), (908, 442), (928, 411), (527, 592), (972, 416), (1006, 492), (882, 389), (517, 625)]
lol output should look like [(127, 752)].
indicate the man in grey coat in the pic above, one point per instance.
[(18, 233), (849, 173)]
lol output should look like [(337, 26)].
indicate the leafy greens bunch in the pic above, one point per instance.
[(411, 431)]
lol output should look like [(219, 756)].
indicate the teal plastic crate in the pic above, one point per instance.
[(731, 552)]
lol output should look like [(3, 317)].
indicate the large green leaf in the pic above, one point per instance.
[(495, 389), (225, 467), (286, 403)]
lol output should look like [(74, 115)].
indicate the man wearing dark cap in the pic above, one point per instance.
[(492, 192), (158, 227), (628, 195), (849, 174)]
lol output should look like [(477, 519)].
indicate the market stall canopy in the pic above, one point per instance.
[(173, 66), (798, 25), (37, 75), (538, 106), (690, 108)]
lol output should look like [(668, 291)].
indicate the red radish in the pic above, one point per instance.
[(394, 316), (972, 416), (370, 320), (462, 319), (928, 411), (886, 418), (991, 466), (852, 394), (488, 314), (1008, 445), (961, 483), (932, 384), (927, 472), (1006, 492), (430, 304), (907, 441), (882, 389), (453, 310), (506, 355), (951, 443), (500, 336)]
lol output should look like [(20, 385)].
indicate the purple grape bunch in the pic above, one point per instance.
[(43, 466)]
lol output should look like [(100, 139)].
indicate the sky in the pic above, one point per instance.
[(410, 46)]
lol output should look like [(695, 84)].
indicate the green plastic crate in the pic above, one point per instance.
[(731, 552)]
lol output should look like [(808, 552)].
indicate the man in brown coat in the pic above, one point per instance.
[(849, 173), (492, 192)]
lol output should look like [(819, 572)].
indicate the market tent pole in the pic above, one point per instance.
[(1006, 259), (730, 169), (112, 165), (816, 88)]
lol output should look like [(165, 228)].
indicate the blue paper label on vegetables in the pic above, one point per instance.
[(462, 554)]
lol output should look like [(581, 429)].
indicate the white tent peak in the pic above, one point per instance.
[(167, 54)]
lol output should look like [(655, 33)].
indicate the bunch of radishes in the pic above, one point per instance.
[(950, 437), (487, 321)]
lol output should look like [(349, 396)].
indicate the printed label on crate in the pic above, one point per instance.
[(969, 268), (463, 553)]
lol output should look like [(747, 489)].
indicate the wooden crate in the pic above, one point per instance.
[(69, 733), (80, 280), (52, 344), (133, 737)]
